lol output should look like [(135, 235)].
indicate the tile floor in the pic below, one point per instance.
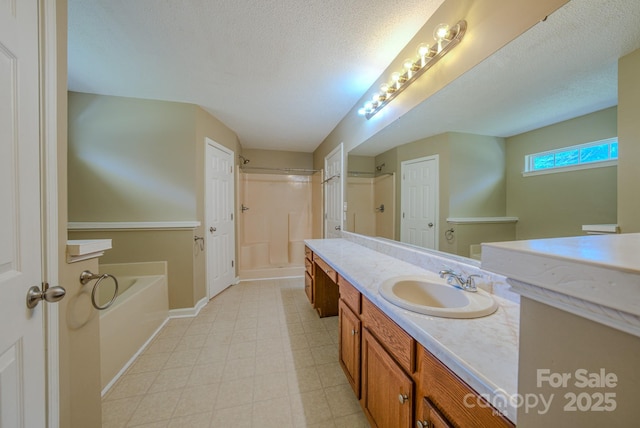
[(256, 355)]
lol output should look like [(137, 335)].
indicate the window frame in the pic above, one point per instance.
[(529, 159)]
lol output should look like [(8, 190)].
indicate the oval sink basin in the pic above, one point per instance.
[(428, 296)]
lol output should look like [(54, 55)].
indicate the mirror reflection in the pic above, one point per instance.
[(457, 161)]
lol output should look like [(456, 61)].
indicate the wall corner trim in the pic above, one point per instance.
[(132, 225)]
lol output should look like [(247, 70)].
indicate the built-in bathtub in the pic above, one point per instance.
[(138, 313)]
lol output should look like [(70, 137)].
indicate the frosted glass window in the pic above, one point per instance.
[(598, 153)]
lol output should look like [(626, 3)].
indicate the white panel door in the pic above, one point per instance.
[(220, 223), (333, 199), (419, 201), (22, 358)]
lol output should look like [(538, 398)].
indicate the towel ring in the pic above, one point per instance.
[(87, 276)]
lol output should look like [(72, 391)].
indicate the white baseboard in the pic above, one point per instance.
[(132, 359), (173, 313), (188, 312), (271, 273)]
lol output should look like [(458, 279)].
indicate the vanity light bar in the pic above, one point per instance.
[(446, 39)]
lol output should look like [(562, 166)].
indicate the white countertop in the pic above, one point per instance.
[(596, 277), (618, 252), (482, 351)]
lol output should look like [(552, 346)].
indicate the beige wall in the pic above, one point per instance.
[(554, 205), (361, 164), (208, 126), (481, 176), (176, 247), (131, 159), (563, 343), (78, 328), (471, 179), (144, 160), (629, 142), (278, 159), (477, 180)]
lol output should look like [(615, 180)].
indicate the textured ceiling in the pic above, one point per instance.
[(280, 73), (283, 73), (564, 67)]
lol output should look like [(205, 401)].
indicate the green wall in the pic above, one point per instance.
[(131, 159), (555, 205), (134, 160), (477, 181), (471, 174)]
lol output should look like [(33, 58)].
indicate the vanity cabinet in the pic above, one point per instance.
[(388, 362), (325, 288), (387, 391), (308, 273), (350, 333), (399, 382)]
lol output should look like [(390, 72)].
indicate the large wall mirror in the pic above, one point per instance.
[(554, 86)]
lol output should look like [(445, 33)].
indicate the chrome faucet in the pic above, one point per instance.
[(458, 280)]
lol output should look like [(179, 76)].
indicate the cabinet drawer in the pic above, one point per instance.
[(308, 254), (349, 294), (332, 274), (308, 265), (448, 393), (397, 342)]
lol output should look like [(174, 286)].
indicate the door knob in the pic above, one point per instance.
[(212, 229), (430, 225), (49, 294), (337, 227)]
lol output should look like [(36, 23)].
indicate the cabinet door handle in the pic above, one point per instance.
[(423, 424), (403, 398), (354, 332)]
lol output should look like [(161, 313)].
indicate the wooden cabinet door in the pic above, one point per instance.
[(387, 391), (308, 286), (349, 345)]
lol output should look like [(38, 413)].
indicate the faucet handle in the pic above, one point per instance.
[(446, 271), (471, 283)]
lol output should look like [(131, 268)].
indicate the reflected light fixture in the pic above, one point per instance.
[(428, 55)]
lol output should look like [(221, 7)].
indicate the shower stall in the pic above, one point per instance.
[(277, 210), (371, 203)]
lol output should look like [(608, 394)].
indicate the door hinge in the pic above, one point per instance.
[(232, 263), (231, 169), (231, 216), (402, 215)]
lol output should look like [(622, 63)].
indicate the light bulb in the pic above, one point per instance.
[(424, 52), (368, 106), (362, 111), (408, 66), (441, 32), (395, 76), (384, 88), (423, 49)]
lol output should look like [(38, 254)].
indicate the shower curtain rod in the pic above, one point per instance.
[(255, 168), (377, 174)]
